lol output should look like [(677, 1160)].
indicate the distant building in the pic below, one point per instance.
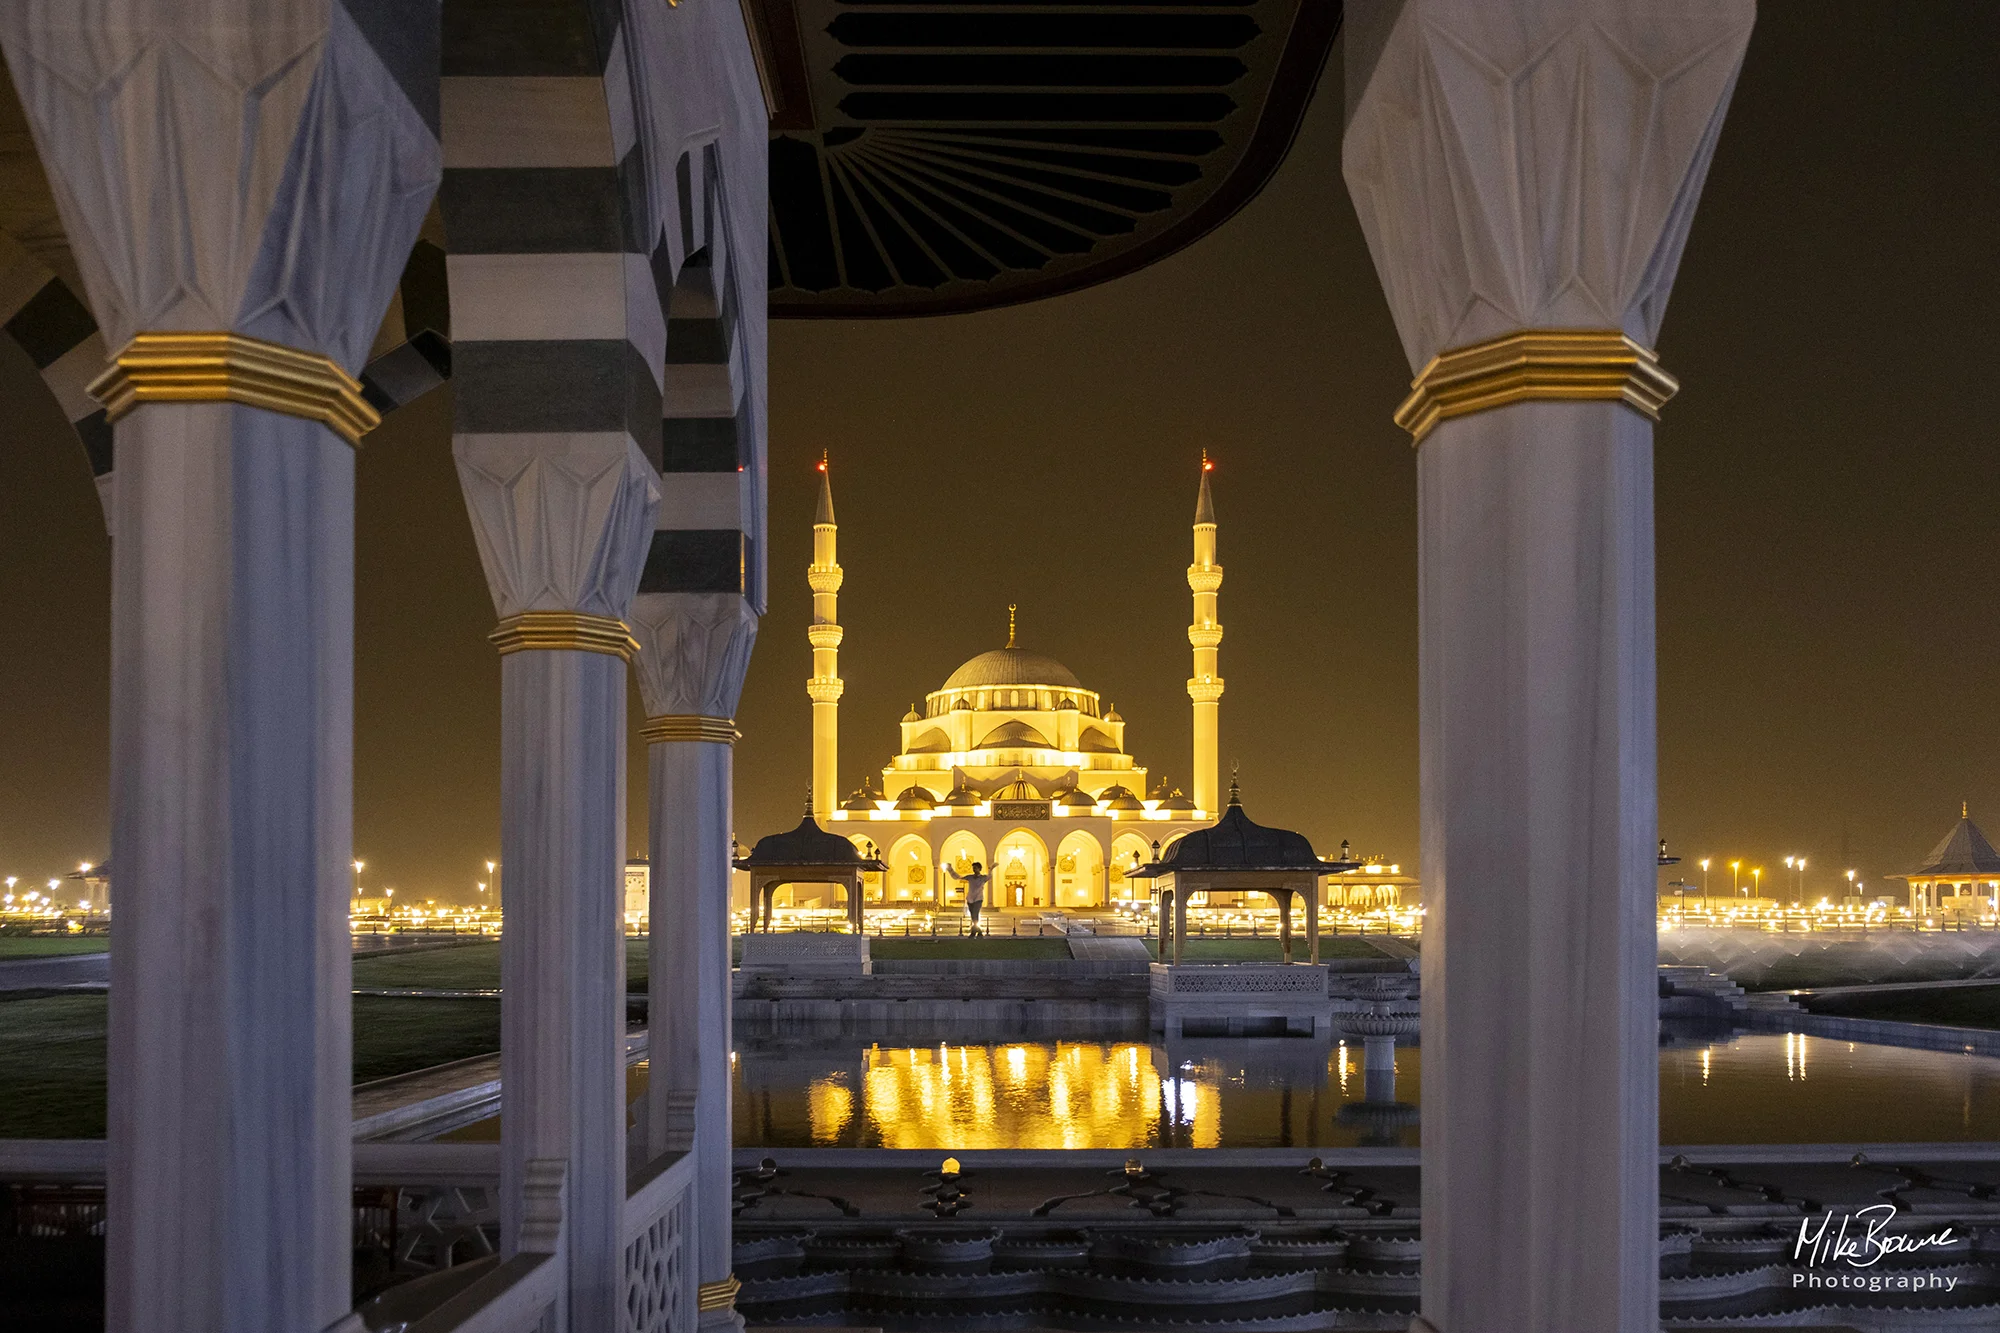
[(638, 891), (1962, 873), (94, 893)]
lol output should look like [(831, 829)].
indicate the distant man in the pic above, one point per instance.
[(975, 891)]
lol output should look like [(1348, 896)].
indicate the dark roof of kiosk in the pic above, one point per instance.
[(1236, 842), (1964, 851), (806, 845)]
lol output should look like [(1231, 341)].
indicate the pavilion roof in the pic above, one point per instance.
[(1964, 851), (806, 845), (1237, 842)]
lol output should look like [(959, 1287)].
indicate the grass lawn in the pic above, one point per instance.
[(51, 946), (52, 1068), (1972, 1007), (474, 966), (52, 1054), (397, 1036), (984, 946)]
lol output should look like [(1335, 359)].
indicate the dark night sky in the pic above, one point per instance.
[(1829, 553)]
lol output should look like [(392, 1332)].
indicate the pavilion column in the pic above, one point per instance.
[(1526, 175), (253, 279), (562, 526), (694, 650)]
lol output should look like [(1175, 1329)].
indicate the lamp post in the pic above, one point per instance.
[(1799, 886), (1704, 885), (494, 879), (1756, 883), (1733, 867)]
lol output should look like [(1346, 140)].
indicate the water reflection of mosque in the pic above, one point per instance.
[(1199, 1092)]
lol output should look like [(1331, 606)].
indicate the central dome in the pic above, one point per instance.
[(1012, 666)]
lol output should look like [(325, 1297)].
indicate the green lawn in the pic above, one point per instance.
[(52, 1068), (474, 966), (397, 1036), (1971, 1007), (984, 946), (52, 1054), (51, 946)]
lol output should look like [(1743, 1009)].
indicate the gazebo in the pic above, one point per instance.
[(807, 854), (1963, 865), (1236, 853)]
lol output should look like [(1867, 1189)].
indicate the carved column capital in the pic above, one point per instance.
[(1535, 165), (693, 650), (296, 232), (562, 522)]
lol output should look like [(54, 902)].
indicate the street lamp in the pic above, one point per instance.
[(1733, 866), (1757, 882), (1704, 884), (357, 877), (1799, 888)]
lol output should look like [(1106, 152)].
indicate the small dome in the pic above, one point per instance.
[(1111, 714), (961, 704), (912, 715), (1177, 803), (961, 798), (1119, 798), (1014, 735), (863, 799), (1011, 666), (1076, 799), (1066, 703), (1020, 789), (915, 798)]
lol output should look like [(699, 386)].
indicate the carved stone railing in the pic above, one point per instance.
[(1245, 979), (445, 1216), (661, 1284), (522, 1294)]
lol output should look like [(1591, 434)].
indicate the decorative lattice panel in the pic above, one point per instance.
[(659, 1273)]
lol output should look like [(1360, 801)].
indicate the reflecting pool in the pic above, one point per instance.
[(1203, 1093)]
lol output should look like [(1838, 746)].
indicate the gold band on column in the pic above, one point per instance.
[(689, 727), (228, 367), (1555, 365), (719, 1295), (545, 630)]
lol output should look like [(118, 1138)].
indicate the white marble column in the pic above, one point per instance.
[(695, 648), (1535, 166), (232, 608), (562, 525)]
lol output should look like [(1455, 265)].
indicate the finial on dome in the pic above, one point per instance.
[(1010, 624), (1965, 809), (809, 800), (1235, 796)]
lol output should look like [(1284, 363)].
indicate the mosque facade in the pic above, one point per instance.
[(1014, 764)]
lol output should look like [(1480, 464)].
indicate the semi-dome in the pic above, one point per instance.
[(1011, 666)]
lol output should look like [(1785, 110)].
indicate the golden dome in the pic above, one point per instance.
[(1012, 666)]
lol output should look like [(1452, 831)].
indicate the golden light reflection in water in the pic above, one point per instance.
[(1751, 1088), (1064, 1095)]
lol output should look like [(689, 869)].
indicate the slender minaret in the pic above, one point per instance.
[(823, 577), (1205, 635)]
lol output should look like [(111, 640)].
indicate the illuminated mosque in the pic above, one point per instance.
[(1013, 763)]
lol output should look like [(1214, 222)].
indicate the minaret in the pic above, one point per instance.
[(1205, 635), (823, 577)]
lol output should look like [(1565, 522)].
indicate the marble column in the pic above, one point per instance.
[(695, 648), (1520, 169), (232, 601), (562, 525)]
